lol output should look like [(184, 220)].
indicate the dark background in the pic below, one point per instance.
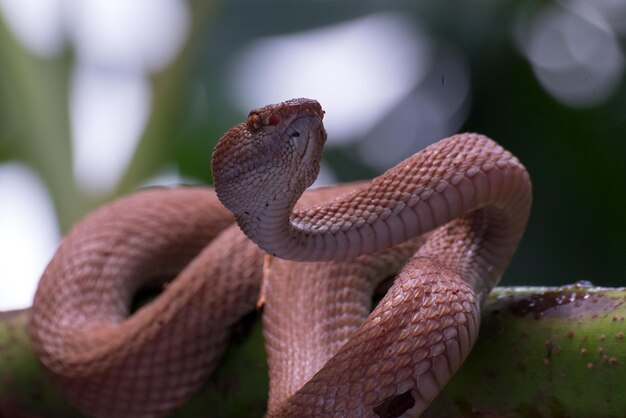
[(573, 146)]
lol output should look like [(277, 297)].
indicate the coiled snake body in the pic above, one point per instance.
[(456, 211)]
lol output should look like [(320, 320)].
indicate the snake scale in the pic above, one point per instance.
[(449, 219)]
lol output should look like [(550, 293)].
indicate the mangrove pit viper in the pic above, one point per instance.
[(449, 218)]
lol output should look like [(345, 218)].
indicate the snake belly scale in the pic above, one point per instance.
[(449, 219)]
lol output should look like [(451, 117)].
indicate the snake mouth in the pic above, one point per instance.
[(303, 154), (307, 135)]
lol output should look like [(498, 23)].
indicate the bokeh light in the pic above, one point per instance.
[(574, 52), (29, 234), (348, 67)]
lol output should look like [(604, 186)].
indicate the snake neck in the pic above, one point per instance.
[(411, 199), (262, 167)]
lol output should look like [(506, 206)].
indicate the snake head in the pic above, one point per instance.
[(270, 159)]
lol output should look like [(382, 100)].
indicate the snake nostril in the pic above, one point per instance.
[(395, 406)]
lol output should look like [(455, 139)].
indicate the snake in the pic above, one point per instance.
[(446, 222)]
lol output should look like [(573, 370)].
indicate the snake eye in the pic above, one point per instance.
[(254, 122)]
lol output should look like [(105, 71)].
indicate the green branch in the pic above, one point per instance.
[(542, 352)]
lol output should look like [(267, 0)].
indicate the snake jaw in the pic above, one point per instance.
[(306, 137)]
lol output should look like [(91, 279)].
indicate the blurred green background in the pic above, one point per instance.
[(545, 79)]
